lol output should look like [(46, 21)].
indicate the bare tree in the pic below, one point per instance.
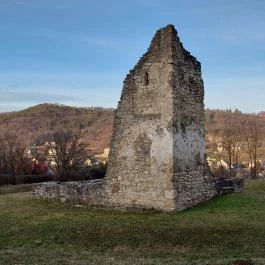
[(3, 160), (68, 152), (231, 138), (216, 156), (14, 148), (253, 134)]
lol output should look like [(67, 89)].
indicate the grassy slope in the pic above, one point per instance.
[(217, 232)]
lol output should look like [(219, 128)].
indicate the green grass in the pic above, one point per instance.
[(5, 189), (217, 232)]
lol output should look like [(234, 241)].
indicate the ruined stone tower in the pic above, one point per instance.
[(157, 157)]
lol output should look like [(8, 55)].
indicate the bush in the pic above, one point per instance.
[(97, 172)]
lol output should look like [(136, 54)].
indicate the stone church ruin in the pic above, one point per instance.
[(157, 156)]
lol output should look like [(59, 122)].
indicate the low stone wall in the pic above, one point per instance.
[(78, 192), (93, 193)]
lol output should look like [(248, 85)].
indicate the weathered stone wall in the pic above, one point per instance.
[(192, 180), (157, 152), (76, 192), (157, 155)]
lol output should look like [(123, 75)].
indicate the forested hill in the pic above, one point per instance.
[(217, 120), (95, 123)]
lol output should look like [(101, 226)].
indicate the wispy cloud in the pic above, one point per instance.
[(70, 88), (244, 93), (41, 4), (58, 79), (101, 40), (230, 22), (239, 34), (98, 40), (17, 100), (31, 96)]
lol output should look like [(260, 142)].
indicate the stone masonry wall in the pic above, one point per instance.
[(157, 152), (192, 180), (75, 192)]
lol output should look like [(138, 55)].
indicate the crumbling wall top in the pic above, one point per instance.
[(164, 45)]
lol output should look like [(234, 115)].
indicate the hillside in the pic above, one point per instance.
[(95, 123), (215, 119)]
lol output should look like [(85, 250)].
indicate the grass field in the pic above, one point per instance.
[(6, 189), (217, 232)]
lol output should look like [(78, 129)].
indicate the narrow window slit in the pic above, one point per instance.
[(146, 79)]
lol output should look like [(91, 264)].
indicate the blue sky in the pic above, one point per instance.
[(78, 52)]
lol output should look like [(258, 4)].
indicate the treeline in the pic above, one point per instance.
[(237, 138), (75, 130), (63, 157), (13, 149)]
